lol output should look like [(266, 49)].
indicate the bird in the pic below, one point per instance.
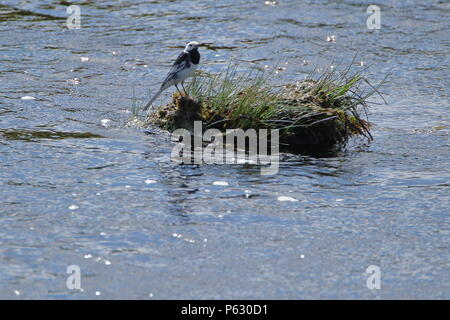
[(183, 67)]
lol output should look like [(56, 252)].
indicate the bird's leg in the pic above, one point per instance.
[(178, 90), (182, 85)]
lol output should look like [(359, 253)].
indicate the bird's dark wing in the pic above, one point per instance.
[(182, 59), (180, 63)]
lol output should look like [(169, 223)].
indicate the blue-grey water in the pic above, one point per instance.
[(76, 190)]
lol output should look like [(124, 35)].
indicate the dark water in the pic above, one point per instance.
[(73, 188)]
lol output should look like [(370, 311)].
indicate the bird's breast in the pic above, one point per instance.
[(195, 57), (186, 72)]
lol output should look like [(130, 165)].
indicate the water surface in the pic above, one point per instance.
[(106, 197)]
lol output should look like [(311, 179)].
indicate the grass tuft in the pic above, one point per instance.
[(316, 114)]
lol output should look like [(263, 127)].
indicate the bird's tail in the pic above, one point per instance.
[(153, 99)]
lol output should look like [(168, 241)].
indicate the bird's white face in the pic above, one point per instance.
[(191, 46)]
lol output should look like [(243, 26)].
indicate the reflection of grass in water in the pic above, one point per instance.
[(14, 13), (31, 135), (319, 112)]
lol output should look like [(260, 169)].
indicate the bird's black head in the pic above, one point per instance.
[(191, 46)]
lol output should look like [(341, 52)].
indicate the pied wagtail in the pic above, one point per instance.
[(184, 67)]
